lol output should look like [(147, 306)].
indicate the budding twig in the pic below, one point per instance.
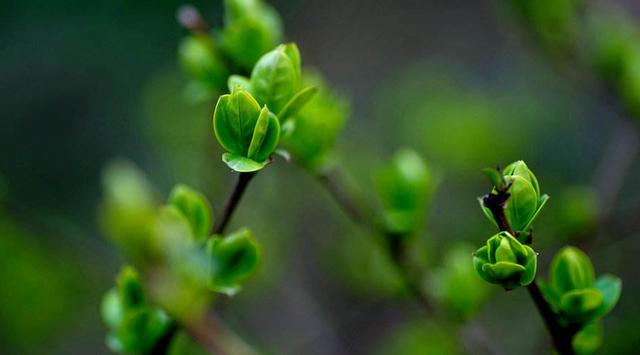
[(562, 336)]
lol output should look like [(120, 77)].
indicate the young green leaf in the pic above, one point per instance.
[(276, 77), (232, 260)]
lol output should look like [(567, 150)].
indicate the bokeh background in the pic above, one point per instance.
[(84, 82)]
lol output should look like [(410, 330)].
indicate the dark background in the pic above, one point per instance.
[(84, 82)]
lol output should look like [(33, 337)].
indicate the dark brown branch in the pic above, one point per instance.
[(232, 202)]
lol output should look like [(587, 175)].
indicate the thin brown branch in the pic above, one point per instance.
[(232, 202)]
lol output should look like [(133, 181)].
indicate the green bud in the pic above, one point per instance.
[(248, 133), (574, 290), (571, 269), (251, 29), (199, 59), (505, 261), (404, 187), (232, 259), (317, 126), (195, 208), (525, 200)]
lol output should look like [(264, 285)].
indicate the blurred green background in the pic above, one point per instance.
[(83, 82)]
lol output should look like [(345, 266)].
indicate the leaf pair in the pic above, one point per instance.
[(247, 132), (505, 261)]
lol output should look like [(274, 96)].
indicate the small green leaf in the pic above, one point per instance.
[(486, 211), (611, 287), (588, 339), (522, 203), (541, 202), (297, 102), (494, 176), (241, 164), (259, 132), (503, 270), (232, 259), (579, 304), (530, 265)]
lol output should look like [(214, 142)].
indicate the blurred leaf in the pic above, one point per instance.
[(195, 207), (421, 338), (233, 259), (456, 286)]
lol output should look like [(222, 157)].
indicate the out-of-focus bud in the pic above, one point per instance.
[(232, 259), (524, 202), (577, 211), (455, 284), (200, 60), (248, 134), (251, 28), (505, 261), (195, 208), (404, 186), (316, 126), (552, 22), (616, 54), (134, 327), (574, 291), (128, 211)]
